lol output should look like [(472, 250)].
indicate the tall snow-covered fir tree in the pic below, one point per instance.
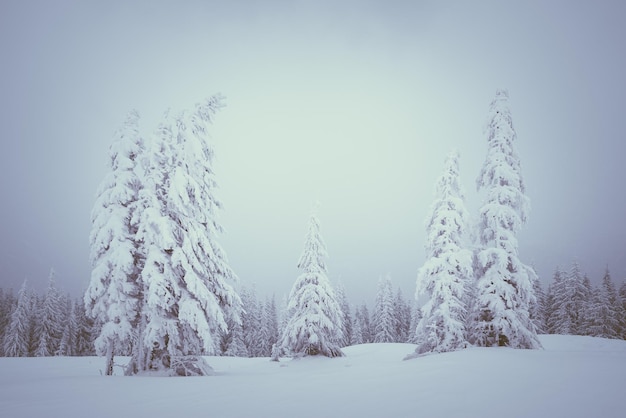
[(186, 282), (448, 269), (504, 283), (113, 294), (315, 323)]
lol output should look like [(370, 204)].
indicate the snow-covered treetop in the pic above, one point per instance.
[(314, 252), (501, 175)]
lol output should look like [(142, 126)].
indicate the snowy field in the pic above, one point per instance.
[(573, 377)]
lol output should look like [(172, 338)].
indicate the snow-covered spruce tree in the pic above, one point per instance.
[(447, 271), (251, 321), (50, 320), (314, 325), (113, 294), (67, 345), (17, 333), (346, 321), (622, 309), (384, 323), (270, 325), (402, 318), (604, 310), (186, 282), (366, 324), (504, 283)]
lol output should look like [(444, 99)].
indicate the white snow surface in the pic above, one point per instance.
[(572, 377)]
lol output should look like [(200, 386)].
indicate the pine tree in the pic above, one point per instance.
[(113, 295), (187, 284), (447, 272), (314, 326), (16, 337), (504, 283), (384, 320)]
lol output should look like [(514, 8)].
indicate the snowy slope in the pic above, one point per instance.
[(572, 377)]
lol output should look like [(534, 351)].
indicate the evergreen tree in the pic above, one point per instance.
[(366, 324), (7, 304), (504, 283), (270, 325), (357, 331), (612, 309), (251, 322), (447, 272), (85, 333), (50, 319), (603, 320), (17, 335), (233, 344), (346, 316), (416, 316), (579, 296), (384, 320), (113, 295), (402, 318), (536, 309), (187, 284), (68, 346), (314, 326), (622, 310)]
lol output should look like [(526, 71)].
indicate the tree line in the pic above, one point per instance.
[(54, 324)]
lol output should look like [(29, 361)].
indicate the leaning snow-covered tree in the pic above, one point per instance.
[(315, 324), (113, 292), (504, 283), (447, 272), (187, 284)]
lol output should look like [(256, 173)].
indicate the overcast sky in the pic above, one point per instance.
[(352, 103)]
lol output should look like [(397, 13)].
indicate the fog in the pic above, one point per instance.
[(354, 105)]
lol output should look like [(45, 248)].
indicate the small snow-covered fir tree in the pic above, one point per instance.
[(187, 284), (67, 345), (447, 271), (622, 309), (113, 295), (604, 310), (17, 333), (504, 283), (50, 320), (314, 325), (346, 327), (402, 318), (384, 322), (270, 325)]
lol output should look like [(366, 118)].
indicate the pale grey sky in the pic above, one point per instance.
[(352, 103)]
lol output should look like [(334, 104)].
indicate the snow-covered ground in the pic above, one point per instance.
[(572, 377)]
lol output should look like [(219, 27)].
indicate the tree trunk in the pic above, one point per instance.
[(109, 360)]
